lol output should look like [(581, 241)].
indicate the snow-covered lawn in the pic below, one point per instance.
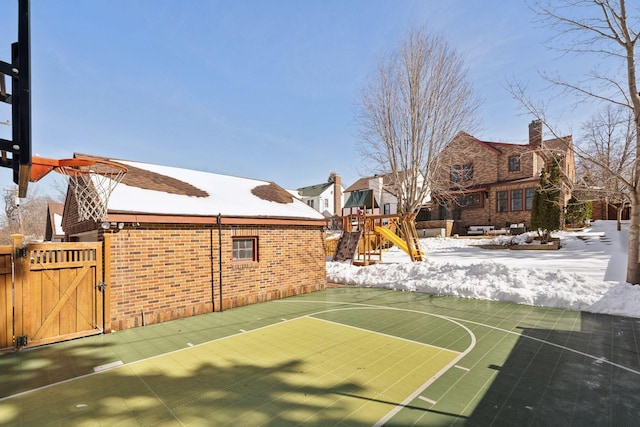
[(587, 273)]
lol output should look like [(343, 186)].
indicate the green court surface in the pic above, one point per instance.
[(343, 356)]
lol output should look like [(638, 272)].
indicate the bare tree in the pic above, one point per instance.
[(418, 98), (609, 138), (24, 216), (607, 30)]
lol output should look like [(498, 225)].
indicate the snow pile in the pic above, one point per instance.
[(520, 239), (586, 274)]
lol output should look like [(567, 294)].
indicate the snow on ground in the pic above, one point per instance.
[(587, 273)]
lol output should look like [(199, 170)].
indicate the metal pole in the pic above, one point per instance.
[(220, 256), (213, 298)]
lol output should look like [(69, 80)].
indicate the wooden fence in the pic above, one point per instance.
[(55, 293)]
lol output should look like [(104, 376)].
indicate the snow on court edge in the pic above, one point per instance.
[(587, 273)]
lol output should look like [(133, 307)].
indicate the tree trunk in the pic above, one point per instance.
[(633, 265), (619, 218)]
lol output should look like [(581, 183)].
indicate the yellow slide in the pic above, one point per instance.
[(393, 238)]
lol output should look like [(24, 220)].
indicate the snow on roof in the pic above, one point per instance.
[(166, 190)]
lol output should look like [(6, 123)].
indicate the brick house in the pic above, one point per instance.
[(493, 183), (184, 242)]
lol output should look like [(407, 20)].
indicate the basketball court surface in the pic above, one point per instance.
[(343, 356)]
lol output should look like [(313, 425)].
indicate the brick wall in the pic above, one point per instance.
[(161, 272), (465, 149)]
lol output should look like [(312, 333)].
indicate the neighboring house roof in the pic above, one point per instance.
[(314, 190), (166, 190), (361, 198), (363, 183)]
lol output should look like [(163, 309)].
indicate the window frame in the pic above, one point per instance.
[(467, 171), (475, 198), (513, 162), (529, 206), (516, 199), (505, 200), (236, 251), (456, 173)]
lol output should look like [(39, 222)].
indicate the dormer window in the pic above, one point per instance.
[(514, 163)]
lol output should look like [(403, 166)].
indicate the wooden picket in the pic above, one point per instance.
[(6, 299)]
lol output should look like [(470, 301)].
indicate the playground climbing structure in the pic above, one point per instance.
[(364, 237)]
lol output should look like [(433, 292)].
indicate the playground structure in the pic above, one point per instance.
[(364, 237)]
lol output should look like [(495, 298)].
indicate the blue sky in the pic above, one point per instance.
[(261, 89)]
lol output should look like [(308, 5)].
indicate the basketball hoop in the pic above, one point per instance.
[(92, 182)]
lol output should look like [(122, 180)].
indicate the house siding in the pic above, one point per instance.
[(161, 272)]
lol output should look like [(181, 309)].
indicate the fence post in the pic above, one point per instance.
[(106, 271), (19, 276)]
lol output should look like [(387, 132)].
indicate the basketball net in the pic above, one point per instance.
[(92, 183)]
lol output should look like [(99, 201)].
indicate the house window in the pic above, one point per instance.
[(245, 249), (514, 163), (516, 200), (442, 211), (455, 173), (386, 209), (470, 200), (462, 173), (528, 203), (468, 172), (502, 201), (310, 202)]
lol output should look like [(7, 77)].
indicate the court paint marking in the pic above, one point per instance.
[(462, 367), (596, 359), (376, 332), (426, 399), (423, 387), (44, 387), (108, 366)]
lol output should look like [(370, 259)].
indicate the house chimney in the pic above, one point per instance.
[(337, 195), (535, 133)]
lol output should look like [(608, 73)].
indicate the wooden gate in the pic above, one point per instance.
[(58, 293)]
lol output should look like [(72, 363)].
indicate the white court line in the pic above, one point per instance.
[(426, 399), (376, 332), (597, 359), (107, 366), (461, 367)]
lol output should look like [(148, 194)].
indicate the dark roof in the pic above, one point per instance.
[(149, 180), (314, 190), (363, 183), (361, 199)]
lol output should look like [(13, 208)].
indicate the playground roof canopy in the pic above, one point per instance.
[(361, 199)]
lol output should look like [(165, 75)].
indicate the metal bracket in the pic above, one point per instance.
[(101, 286), (21, 341), (21, 252)]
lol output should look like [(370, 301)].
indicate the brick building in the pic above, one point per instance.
[(184, 242), (493, 183)]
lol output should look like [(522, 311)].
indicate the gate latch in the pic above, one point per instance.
[(101, 286), (21, 252), (21, 341)]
